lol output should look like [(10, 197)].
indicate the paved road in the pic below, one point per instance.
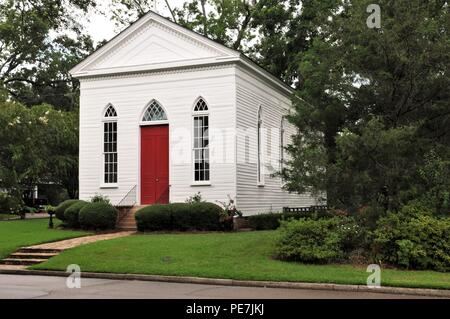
[(16, 286)]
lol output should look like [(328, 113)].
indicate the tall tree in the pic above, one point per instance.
[(351, 75), (39, 41)]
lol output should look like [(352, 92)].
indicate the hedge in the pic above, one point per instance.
[(61, 209), (98, 216), (271, 221), (71, 215), (180, 216)]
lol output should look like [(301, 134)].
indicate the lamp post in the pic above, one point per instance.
[(50, 223)]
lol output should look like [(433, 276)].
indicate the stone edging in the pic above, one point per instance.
[(243, 283)]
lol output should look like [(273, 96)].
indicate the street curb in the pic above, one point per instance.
[(243, 283)]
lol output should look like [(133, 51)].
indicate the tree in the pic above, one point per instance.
[(39, 145), (36, 50), (351, 75)]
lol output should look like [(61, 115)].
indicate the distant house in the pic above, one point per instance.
[(166, 113)]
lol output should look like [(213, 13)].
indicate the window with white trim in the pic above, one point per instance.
[(201, 141), (260, 164), (110, 146)]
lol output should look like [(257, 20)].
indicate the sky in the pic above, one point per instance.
[(100, 26)]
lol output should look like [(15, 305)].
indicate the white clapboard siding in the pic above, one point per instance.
[(252, 92), (176, 91)]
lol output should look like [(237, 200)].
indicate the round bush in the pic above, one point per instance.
[(316, 241), (206, 216), (60, 210), (181, 216), (98, 216), (71, 215), (154, 218)]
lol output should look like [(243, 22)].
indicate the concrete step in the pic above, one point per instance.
[(32, 255), (38, 250), (17, 261)]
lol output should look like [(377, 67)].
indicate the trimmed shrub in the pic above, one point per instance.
[(154, 218), (316, 241), (268, 221), (271, 221), (412, 240), (71, 215), (60, 210), (206, 216), (98, 216), (180, 216)]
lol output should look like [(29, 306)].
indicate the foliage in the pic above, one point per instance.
[(10, 204), (180, 216), (229, 208), (316, 241), (40, 41), (154, 218), (50, 209), (26, 158), (370, 103), (99, 198), (196, 198), (413, 239), (72, 214), (98, 216), (271, 221), (61, 209)]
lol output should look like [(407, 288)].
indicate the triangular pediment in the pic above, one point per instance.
[(153, 42)]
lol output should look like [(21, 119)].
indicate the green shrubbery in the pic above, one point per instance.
[(98, 216), (61, 209), (180, 216), (413, 239), (317, 241), (271, 221), (71, 215)]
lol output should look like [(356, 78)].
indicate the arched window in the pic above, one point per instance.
[(110, 145), (282, 144), (259, 141), (154, 112), (201, 141)]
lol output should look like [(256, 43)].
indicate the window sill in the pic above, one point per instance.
[(206, 183), (261, 184), (106, 186)]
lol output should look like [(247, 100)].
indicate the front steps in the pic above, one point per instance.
[(127, 222), (28, 256)]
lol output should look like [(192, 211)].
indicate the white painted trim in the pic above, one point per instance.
[(260, 162), (112, 185)]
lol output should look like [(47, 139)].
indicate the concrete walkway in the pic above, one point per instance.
[(45, 287)]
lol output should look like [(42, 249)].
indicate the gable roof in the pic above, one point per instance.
[(97, 63)]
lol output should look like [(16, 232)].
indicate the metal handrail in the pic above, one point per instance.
[(129, 200)]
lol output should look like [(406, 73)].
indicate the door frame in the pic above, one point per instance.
[(151, 123)]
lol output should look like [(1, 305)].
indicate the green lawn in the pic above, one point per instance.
[(19, 233), (245, 255)]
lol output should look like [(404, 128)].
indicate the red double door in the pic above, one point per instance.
[(155, 164)]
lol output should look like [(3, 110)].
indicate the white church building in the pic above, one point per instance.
[(166, 113)]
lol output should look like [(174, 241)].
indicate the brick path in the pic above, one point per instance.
[(35, 254), (74, 242)]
